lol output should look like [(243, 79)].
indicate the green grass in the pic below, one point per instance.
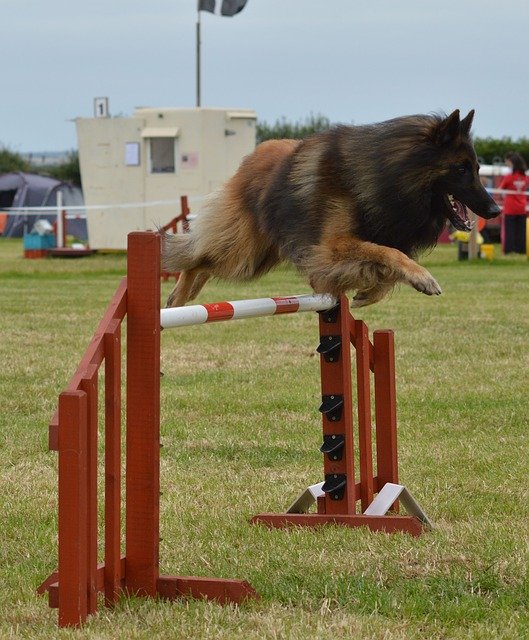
[(241, 432)]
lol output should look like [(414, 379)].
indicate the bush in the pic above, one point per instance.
[(12, 161), (69, 171), (492, 150), (282, 128)]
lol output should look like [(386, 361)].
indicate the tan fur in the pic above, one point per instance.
[(346, 263), (226, 241), (306, 169)]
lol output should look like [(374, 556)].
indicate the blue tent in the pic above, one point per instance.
[(29, 190)]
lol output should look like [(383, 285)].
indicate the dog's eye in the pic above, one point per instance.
[(461, 168)]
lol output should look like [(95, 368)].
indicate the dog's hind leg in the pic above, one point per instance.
[(183, 288), (198, 284)]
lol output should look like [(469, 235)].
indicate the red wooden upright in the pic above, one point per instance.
[(342, 488), (385, 406), (73, 508), (112, 571), (337, 412), (142, 533)]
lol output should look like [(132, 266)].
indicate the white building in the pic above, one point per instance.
[(155, 155)]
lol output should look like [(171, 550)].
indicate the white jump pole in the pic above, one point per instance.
[(239, 309)]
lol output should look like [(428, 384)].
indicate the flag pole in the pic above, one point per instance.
[(198, 54)]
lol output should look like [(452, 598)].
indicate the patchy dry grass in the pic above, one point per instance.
[(241, 432)]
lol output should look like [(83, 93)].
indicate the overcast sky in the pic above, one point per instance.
[(350, 60)]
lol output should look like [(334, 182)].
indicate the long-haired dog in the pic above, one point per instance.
[(350, 207)]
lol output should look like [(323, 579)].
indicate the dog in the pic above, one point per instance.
[(351, 208)]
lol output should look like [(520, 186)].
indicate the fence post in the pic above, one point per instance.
[(365, 445), (385, 407), (112, 577), (89, 384), (73, 508), (143, 414)]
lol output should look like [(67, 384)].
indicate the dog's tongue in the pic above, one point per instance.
[(460, 218), (460, 210)]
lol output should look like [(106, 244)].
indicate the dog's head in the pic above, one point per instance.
[(457, 184)]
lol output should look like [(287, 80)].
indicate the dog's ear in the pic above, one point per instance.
[(466, 123), (448, 129)]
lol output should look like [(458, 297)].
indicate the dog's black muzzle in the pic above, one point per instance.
[(493, 210), (480, 202)]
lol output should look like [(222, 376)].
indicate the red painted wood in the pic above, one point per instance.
[(112, 571), (386, 408), (89, 384), (363, 383), (143, 414), (51, 584), (84, 381), (352, 337), (46, 584), (73, 508), (221, 590), (336, 380), (387, 524), (94, 353)]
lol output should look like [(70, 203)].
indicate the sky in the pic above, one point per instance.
[(353, 61)]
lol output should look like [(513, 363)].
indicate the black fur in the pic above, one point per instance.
[(395, 174)]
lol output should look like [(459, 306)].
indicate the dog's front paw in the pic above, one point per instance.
[(425, 283)]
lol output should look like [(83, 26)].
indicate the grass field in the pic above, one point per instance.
[(241, 433)]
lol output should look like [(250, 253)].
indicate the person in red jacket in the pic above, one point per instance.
[(514, 205)]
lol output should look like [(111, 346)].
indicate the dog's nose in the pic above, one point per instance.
[(494, 209)]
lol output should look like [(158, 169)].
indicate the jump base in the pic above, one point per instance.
[(222, 591), (386, 524)]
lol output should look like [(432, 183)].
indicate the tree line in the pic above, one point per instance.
[(68, 171), (489, 150)]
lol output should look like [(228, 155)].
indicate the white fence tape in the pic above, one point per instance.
[(98, 207), (155, 203)]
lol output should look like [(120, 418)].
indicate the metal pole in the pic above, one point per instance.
[(60, 222), (198, 57)]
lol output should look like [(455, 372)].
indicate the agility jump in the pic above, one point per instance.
[(73, 432)]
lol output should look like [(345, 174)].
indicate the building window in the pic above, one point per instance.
[(132, 154), (163, 154)]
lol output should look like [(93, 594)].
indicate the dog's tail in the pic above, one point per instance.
[(178, 252)]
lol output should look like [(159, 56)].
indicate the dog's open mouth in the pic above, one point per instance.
[(458, 214)]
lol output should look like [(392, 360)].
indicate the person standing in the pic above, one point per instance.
[(514, 205)]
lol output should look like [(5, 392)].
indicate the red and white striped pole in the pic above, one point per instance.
[(239, 309)]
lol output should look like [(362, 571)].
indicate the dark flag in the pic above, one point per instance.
[(222, 7)]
